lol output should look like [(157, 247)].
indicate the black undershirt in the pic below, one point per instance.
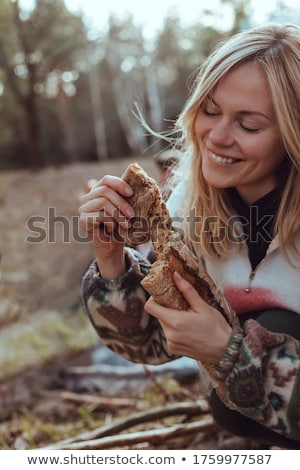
[(257, 221)]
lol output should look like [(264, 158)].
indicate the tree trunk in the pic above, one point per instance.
[(69, 144), (31, 128), (98, 118)]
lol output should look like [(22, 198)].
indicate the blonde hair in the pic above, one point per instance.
[(276, 49)]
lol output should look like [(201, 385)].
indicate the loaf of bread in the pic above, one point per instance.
[(171, 252)]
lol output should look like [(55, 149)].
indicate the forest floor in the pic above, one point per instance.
[(49, 390)]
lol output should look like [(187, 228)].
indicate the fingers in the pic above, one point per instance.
[(189, 293), (164, 314), (153, 307), (102, 211), (92, 221), (90, 184), (113, 182), (196, 303), (105, 204), (108, 198)]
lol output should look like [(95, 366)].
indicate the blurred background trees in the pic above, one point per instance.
[(65, 97)]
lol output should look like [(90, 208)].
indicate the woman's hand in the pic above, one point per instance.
[(104, 214), (201, 333)]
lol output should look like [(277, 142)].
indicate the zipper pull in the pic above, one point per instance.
[(251, 277)]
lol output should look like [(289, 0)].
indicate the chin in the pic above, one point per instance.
[(216, 181)]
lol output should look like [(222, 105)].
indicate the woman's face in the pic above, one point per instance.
[(238, 134)]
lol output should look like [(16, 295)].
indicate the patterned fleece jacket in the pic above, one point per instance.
[(258, 375)]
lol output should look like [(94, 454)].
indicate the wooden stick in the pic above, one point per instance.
[(186, 408), (106, 402), (157, 384), (153, 436)]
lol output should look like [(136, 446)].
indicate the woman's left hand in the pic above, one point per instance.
[(201, 332)]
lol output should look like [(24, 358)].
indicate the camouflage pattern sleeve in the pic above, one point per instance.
[(116, 310), (259, 376)]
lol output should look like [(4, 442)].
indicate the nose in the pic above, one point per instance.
[(221, 133)]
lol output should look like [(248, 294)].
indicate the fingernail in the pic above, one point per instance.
[(128, 191), (126, 223), (177, 275), (130, 212)]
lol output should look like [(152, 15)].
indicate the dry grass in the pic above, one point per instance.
[(40, 282), (46, 334)]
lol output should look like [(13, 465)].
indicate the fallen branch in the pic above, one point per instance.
[(189, 409), (153, 436), (106, 402), (157, 384)]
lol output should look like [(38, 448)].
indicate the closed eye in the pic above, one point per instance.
[(249, 129), (209, 112)]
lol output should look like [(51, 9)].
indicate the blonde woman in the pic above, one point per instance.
[(239, 140)]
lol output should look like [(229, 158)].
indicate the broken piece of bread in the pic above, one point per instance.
[(171, 253)]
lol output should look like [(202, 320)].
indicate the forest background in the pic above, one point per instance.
[(69, 96), (68, 113)]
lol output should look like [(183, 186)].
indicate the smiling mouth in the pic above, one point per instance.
[(225, 160)]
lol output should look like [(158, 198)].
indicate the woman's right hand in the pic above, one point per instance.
[(104, 215)]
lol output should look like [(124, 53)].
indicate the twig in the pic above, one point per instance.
[(106, 402), (158, 385), (191, 409), (153, 436)]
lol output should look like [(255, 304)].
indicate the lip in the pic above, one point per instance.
[(222, 160)]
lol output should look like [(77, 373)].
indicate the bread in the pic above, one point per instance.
[(152, 220), (171, 253), (159, 282)]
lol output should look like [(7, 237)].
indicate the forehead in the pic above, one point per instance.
[(245, 87)]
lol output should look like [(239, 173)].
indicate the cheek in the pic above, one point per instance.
[(266, 152), (199, 123), (197, 128)]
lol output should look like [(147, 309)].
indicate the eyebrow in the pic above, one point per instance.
[(247, 113), (244, 113)]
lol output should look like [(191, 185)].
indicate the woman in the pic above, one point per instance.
[(239, 136)]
